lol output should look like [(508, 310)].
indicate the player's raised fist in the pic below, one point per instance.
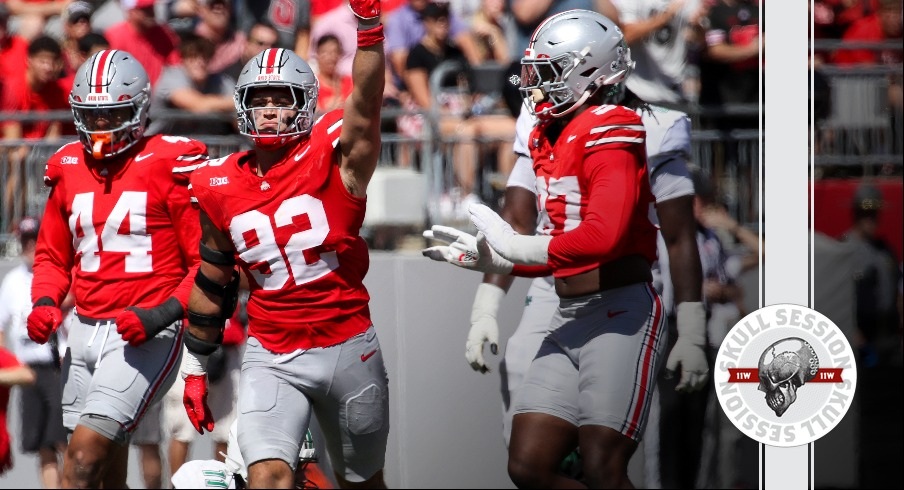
[(365, 9)]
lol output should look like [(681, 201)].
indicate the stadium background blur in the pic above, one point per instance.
[(856, 135)]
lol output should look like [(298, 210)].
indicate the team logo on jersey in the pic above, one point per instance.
[(215, 181), (69, 160), (785, 375)]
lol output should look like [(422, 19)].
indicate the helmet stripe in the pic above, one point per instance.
[(270, 59), (101, 67)]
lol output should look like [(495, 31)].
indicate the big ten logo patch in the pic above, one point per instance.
[(785, 375)]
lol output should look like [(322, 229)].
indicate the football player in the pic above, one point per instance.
[(592, 183), (119, 229), (288, 213)]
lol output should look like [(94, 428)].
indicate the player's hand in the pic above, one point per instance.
[(465, 250), (195, 400), (520, 249), (44, 319), (688, 355), (484, 327), (365, 9), (137, 325)]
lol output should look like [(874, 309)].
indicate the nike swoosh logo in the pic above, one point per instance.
[(613, 314), (367, 356), (139, 158), (302, 154)]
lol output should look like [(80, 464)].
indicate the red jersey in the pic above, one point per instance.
[(295, 233), (593, 183), (125, 222), (7, 360)]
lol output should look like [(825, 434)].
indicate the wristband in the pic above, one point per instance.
[(193, 364), (370, 37)]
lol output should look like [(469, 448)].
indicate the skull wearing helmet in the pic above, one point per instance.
[(783, 368)]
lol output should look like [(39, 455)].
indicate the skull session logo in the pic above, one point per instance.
[(785, 375)]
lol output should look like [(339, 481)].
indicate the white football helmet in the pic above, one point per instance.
[(110, 99), (277, 67), (571, 55)]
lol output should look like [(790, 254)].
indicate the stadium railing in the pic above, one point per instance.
[(860, 132)]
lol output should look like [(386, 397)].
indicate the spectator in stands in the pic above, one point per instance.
[(37, 88), (216, 25), (831, 18), (341, 23), (657, 33), (405, 28), (291, 18), (76, 26), (42, 430), (730, 69), (334, 87), (13, 50), (261, 36), (12, 373), (34, 17), (883, 25), (456, 119), (154, 45), (191, 87), (488, 27)]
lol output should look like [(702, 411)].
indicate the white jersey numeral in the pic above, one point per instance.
[(291, 257), (136, 242), (569, 190)]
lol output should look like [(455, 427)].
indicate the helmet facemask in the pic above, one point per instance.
[(109, 129), (300, 99), (571, 56)]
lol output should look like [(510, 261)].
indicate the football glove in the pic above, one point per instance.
[(484, 327), (194, 397), (138, 325), (465, 251), (366, 10), (520, 249), (44, 319), (688, 352)]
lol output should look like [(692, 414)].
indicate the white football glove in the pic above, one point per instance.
[(520, 249), (689, 348), (484, 327), (465, 251)]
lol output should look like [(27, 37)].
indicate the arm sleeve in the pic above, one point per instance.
[(522, 175), (612, 177), (54, 255)]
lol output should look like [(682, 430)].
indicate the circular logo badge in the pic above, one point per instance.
[(785, 375)]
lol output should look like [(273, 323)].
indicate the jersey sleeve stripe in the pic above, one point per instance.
[(614, 139), (188, 168), (334, 127), (190, 158), (603, 129)]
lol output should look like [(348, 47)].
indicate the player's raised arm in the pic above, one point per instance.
[(360, 139)]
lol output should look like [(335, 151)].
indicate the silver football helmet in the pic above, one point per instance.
[(571, 55), (110, 99), (294, 116)]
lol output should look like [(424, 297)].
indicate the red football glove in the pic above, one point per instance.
[(43, 321), (195, 400), (137, 325), (365, 9)]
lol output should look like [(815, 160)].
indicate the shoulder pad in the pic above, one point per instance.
[(180, 154), (68, 154), (327, 127), (607, 126)]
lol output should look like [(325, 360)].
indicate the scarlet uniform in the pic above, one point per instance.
[(126, 222), (124, 232), (295, 233), (567, 171)]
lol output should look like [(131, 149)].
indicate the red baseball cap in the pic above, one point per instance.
[(136, 4)]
